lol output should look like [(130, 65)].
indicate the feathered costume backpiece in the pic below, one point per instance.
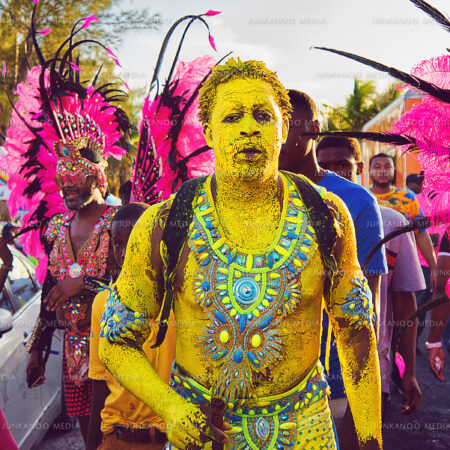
[(423, 130), (172, 148), (59, 127)]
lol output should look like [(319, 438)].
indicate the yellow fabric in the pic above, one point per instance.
[(312, 422), (314, 429), (121, 407), (401, 200)]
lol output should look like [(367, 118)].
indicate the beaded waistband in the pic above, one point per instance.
[(263, 423)]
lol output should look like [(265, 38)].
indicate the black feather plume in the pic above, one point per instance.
[(418, 83), (433, 13), (386, 138)]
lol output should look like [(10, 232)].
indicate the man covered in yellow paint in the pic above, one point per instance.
[(257, 251)]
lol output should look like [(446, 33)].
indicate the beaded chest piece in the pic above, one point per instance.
[(246, 294), (91, 259), (63, 264)]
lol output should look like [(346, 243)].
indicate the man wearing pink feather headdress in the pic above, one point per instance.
[(62, 130)]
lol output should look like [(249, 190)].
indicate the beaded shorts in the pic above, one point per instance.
[(299, 418), (78, 397)]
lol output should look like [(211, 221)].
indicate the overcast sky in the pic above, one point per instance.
[(281, 32)]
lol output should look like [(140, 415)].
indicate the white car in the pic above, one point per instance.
[(29, 412)]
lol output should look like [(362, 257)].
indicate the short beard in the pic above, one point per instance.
[(385, 184), (249, 170), (83, 201)]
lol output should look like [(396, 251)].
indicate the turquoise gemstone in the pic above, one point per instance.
[(265, 322), (219, 355), (220, 317), (270, 261), (253, 359), (231, 257), (246, 290), (238, 356), (242, 322)]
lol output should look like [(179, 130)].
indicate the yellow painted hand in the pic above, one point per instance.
[(188, 428)]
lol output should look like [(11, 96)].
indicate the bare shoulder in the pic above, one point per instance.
[(151, 224)]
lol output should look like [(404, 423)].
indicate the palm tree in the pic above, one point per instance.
[(361, 105)]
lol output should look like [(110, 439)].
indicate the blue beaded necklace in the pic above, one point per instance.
[(246, 294)]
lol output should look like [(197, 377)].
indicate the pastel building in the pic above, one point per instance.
[(383, 121)]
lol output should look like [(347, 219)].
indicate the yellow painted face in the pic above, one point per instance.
[(246, 129)]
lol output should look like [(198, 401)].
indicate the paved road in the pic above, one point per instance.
[(428, 429)]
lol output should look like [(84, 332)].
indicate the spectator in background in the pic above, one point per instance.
[(125, 192), (397, 299), (5, 216), (123, 420), (414, 182), (341, 156), (340, 159), (397, 303), (298, 156), (382, 173)]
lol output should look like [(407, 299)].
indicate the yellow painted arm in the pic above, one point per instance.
[(351, 314), (134, 301)]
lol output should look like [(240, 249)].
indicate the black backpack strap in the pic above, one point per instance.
[(174, 236), (323, 223)]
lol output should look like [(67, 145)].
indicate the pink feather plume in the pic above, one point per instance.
[(400, 363), (212, 43), (87, 21), (428, 122), (190, 138), (212, 13), (75, 67)]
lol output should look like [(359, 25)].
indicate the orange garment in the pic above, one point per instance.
[(402, 200), (111, 442), (121, 407)]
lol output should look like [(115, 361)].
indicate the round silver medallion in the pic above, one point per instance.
[(75, 270)]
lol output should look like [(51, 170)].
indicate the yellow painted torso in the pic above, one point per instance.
[(299, 332)]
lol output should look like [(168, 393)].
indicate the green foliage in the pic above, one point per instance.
[(361, 106), (16, 48)]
